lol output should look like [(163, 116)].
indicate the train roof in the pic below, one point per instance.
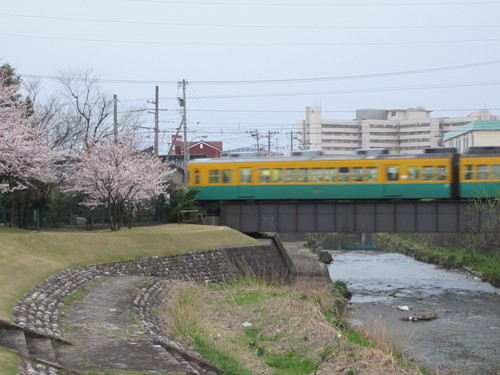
[(322, 158)]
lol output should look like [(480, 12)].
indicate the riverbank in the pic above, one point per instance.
[(435, 249), (249, 326), (271, 306)]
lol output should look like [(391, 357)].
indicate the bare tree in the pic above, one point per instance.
[(85, 108), (484, 228), (80, 112)]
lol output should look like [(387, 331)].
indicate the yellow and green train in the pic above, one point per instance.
[(436, 174)]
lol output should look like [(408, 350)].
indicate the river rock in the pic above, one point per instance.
[(422, 317), (325, 257)]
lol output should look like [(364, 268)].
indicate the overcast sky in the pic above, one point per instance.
[(256, 64)]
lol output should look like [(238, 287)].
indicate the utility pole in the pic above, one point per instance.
[(182, 103), (292, 133), (255, 133), (157, 117), (268, 136), (115, 117), (156, 102)]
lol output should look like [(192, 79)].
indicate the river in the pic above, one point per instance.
[(463, 340)]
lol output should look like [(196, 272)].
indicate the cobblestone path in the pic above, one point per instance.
[(106, 334)]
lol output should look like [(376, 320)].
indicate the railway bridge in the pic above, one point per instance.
[(357, 216)]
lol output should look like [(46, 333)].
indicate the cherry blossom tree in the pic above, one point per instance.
[(25, 153), (117, 175)]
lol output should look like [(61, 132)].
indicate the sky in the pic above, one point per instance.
[(256, 64)]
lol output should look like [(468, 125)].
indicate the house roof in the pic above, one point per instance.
[(216, 144), (472, 126)]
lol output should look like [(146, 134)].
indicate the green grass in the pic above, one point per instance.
[(224, 360), (248, 297), (27, 258), (289, 363)]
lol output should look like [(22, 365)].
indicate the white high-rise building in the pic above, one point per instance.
[(401, 130)]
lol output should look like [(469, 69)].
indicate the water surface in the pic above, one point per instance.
[(465, 339)]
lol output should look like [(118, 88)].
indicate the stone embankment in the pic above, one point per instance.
[(36, 332)]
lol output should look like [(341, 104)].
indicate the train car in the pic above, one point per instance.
[(479, 175), (368, 176)]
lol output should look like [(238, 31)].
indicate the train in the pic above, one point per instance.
[(373, 174)]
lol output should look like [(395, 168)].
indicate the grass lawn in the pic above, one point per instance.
[(27, 258)]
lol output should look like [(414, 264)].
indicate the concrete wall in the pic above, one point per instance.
[(39, 309)]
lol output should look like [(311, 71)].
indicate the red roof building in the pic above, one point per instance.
[(208, 149)]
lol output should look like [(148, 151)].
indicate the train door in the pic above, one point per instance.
[(245, 184), (392, 177)]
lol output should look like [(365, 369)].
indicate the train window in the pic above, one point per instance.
[(226, 176), (428, 173), (343, 174), (197, 177), (290, 175), (277, 176), (245, 176), (468, 175), (371, 174), (441, 173), (413, 173), (316, 175), (495, 172), (329, 175), (482, 172), (392, 173), (357, 174), (302, 177), (213, 176), (265, 176)]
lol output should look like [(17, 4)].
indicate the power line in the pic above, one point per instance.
[(288, 80), (337, 5), (250, 26), (261, 44)]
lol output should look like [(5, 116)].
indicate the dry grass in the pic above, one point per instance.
[(283, 321)]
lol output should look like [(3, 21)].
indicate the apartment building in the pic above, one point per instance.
[(476, 133), (401, 130)]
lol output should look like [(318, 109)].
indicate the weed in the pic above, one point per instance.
[(252, 332)]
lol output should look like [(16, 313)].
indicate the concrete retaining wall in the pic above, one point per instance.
[(39, 310)]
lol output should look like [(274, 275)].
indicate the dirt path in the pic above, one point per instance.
[(106, 335)]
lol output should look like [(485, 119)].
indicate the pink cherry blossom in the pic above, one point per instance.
[(117, 175), (25, 152)]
